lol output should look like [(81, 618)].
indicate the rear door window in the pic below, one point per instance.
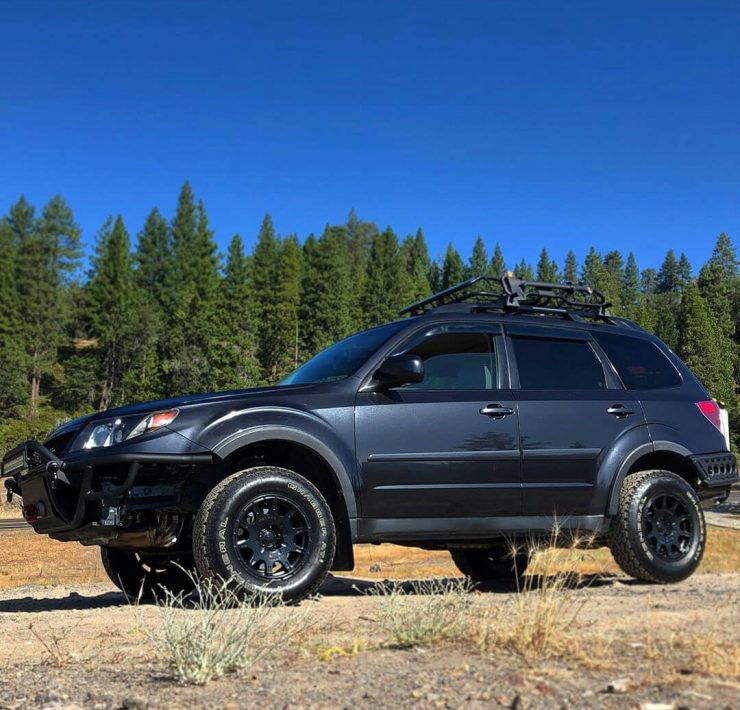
[(546, 364), (640, 363)]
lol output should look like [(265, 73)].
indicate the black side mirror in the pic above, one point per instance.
[(399, 370)]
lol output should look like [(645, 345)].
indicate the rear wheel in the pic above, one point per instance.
[(492, 563), (142, 576), (658, 533), (266, 530)]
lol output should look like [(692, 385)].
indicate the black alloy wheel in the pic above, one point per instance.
[(658, 533), (667, 527), (265, 530), (273, 537)]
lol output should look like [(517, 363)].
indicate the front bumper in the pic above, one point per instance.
[(62, 495)]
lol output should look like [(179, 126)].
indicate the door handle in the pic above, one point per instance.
[(496, 411), (619, 410)]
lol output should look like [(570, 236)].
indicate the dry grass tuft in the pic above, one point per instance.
[(541, 621), (221, 632), (423, 612)]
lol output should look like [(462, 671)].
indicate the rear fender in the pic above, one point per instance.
[(630, 449)]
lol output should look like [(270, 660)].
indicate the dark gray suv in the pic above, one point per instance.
[(498, 409)]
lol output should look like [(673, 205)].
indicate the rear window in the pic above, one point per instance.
[(640, 363), (557, 365)]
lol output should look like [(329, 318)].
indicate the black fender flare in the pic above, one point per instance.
[(265, 432), (636, 454)]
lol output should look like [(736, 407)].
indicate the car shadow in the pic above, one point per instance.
[(72, 602), (337, 586), (334, 586)]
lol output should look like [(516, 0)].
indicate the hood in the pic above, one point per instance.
[(190, 399)]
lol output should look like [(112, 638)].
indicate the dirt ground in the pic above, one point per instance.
[(81, 645)]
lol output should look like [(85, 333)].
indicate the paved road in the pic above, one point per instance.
[(13, 525), (727, 514)]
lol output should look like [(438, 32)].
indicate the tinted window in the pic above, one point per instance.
[(456, 361), (640, 363), (343, 358), (557, 365)]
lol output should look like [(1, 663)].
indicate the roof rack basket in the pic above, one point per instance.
[(512, 295)]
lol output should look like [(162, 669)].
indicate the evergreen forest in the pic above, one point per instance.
[(161, 312)]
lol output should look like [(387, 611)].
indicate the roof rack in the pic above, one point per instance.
[(512, 295)]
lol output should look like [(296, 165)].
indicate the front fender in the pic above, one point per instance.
[(236, 431)]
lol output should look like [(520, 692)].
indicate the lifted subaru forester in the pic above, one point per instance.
[(498, 409)]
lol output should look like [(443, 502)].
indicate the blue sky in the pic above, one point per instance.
[(561, 124)]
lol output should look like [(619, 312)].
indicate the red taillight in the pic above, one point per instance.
[(710, 409)]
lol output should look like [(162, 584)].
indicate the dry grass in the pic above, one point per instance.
[(542, 620), (27, 558), (423, 612), (221, 632)]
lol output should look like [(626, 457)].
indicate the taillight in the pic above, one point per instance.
[(710, 409)]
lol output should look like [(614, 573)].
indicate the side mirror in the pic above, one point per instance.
[(399, 370)]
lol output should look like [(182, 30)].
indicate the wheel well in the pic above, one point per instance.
[(306, 462), (666, 461)]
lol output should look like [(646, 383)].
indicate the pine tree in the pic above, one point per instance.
[(570, 268), (153, 259), (326, 291), (613, 278), (631, 288), (478, 264), (719, 284), (360, 235), (498, 265), (12, 379), (704, 348), (48, 253), (547, 269), (593, 270), (453, 269), (648, 281), (194, 292), (523, 270), (668, 279), (383, 295), (113, 306), (284, 355), (234, 360), (416, 257), (684, 272), (156, 280)]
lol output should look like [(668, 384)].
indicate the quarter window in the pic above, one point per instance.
[(557, 365), (456, 361), (640, 363)]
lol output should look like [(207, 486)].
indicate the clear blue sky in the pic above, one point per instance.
[(544, 123)]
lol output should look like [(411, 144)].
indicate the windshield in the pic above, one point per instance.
[(343, 358)]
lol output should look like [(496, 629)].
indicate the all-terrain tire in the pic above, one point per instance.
[(658, 533), (143, 576), (266, 530), (493, 563)]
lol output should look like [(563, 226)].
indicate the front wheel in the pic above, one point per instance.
[(143, 576), (658, 534), (266, 530)]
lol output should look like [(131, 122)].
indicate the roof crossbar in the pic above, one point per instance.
[(510, 294)]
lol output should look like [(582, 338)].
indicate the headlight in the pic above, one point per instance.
[(104, 433)]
